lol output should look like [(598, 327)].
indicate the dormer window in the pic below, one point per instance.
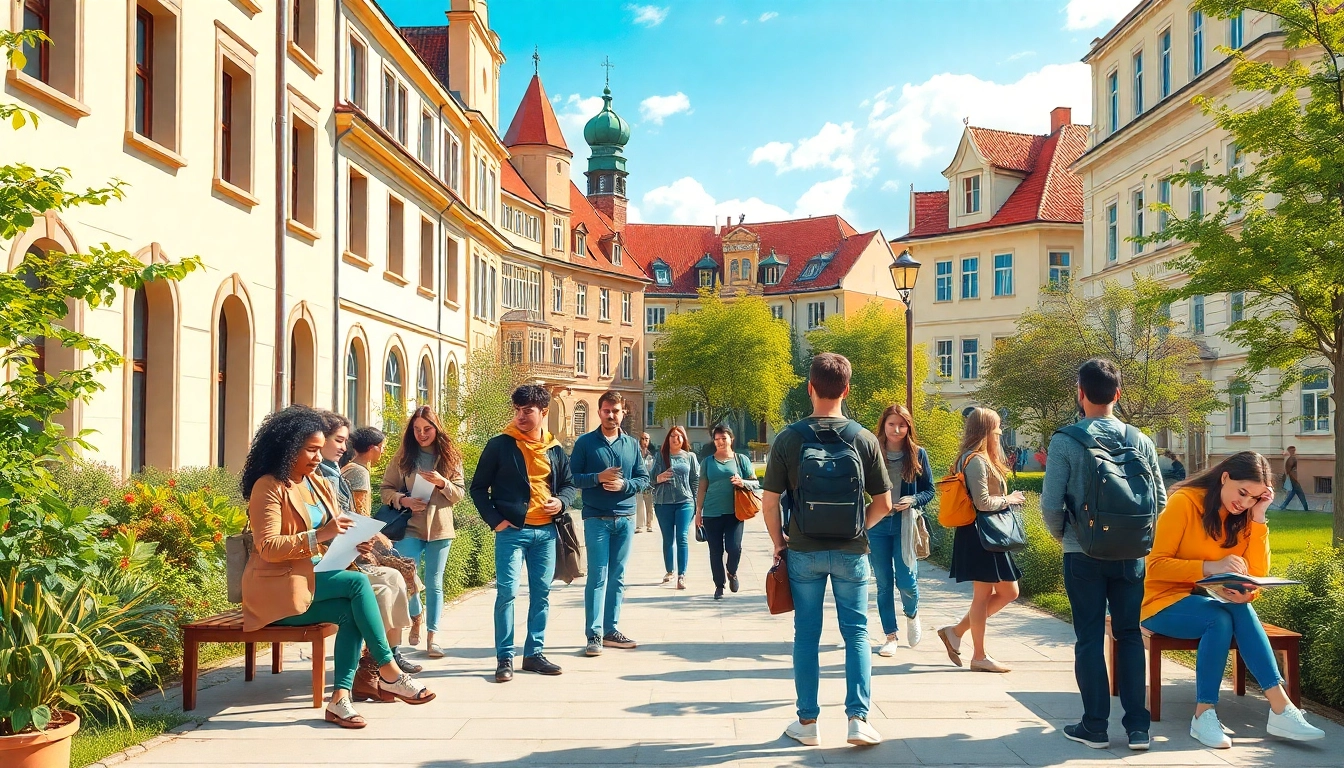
[(772, 268), (616, 254), (580, 244), (970, 187), (706, 270), (706, 278), (772, 275), (661, 274), (814, 267)]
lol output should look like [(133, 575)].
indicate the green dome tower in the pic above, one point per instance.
[(607, 134)]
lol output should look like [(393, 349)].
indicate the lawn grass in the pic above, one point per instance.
[(94, 741), (1290, 533)]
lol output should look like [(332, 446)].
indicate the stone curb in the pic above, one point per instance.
[(136, 750)]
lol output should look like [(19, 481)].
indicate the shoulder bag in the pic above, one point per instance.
[(746, 504), (237, 550), (778, 596), (394, 521), (569, 558), (923, 542), (955, 508), (1001, 531)]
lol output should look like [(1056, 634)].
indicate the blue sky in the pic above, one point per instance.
[(783, 108)]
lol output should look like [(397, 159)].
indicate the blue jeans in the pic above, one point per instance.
[(849, 584), (674, 520), (433, 555), (534, 545), (1092, 585), (1298, 493), (608, 541), (1214, 623), (884, 555)]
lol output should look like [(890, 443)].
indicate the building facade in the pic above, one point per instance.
[(1145, 72), (1008, 225)]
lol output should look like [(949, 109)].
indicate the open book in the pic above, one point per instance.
[(1243, 583)]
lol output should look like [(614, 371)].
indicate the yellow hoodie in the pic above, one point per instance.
[(538, 466)]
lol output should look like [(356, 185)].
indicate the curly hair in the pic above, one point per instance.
[(277, 444)]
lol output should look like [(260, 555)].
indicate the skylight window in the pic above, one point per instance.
[(662, 275), (814, 267)]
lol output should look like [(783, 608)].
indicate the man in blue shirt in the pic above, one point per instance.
[(610, 471)]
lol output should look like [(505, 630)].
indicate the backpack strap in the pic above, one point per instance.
[(1080, 435)]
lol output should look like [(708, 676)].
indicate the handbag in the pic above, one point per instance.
[(1001, 531), (568, 555), (923, 542), (237, 550), (746, 504), (778, 597), (394, 521), (700, 533), (390, 558)]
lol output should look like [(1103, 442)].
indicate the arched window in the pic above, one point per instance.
[(424, 384), (746, 269), (139, 365), (233, 376), (392, 382), (580, 418), (302, 351), (353, 365)]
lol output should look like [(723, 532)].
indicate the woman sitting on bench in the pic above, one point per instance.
[(292, 513), (1215, 523)]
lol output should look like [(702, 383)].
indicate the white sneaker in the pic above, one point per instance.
[(1292, 725), (862, 734), (1208, 731), (914, 632), (807, 735), (888, 648)]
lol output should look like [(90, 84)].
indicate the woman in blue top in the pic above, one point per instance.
[(891, 543), (676, 474), (723, 472)]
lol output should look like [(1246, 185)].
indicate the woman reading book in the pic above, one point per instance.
[(1214, 523)]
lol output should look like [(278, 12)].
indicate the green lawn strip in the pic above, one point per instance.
[(94, 741)]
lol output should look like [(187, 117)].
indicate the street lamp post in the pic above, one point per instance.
[(904, 272)]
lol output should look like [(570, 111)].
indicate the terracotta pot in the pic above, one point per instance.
[(48, 749)]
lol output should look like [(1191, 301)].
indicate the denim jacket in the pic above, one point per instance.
[(685, 480)]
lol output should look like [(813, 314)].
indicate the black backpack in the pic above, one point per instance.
[(1119, 504), (828, 502)]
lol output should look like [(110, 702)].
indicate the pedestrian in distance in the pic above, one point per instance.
[(1177, 471), (644, 512), (1290, 481), (522, 482), (1215, 523), (716, 507), (1100, 500), (892, 541), (824, 464), (994, 574), (610, 471), (676, 476)]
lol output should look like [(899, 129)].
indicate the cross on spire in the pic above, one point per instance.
[(606, 64), (536, 60)]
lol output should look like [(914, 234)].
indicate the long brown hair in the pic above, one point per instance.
[(667, 444), (446, 454), (978, 437), (913, 467), (1246, 466)]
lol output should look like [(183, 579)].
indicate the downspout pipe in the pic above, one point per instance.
[(280, 387), (442, 287), (337, 358)]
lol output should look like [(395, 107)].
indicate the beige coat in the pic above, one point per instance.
[(436, 522), (278, 581)]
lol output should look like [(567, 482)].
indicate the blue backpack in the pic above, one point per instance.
[(828, 502)]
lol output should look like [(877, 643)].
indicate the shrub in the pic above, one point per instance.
[(1042, 562), (1315, 609)]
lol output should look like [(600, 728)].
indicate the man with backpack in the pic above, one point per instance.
[(1102, 494), (825, 463)]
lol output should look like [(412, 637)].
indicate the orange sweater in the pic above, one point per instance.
[(1181, 547)]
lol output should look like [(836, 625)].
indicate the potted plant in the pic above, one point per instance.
[(64, 653)]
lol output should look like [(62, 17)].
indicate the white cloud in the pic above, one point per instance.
[(648, 15), (1020, 55), (825, 197), (1086, 14), (776, 153), (686, 201), (656, 108), (719, 20), (832, 147), (573, 112), (892, 185), (768, 15)]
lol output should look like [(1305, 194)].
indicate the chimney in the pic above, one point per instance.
[(1060, 117), (716, 225)]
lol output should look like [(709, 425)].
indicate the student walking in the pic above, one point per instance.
[(994, 574), (676, 474), (644, 510), (824, 463), (608, 468), (892, 541), (1214, 523), (1291, 482), (522, 482), (1103, 569), (716, 507)]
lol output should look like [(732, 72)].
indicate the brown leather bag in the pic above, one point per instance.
[(777, 593), (746, 504), (568, 550)]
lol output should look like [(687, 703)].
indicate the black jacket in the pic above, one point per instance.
[(500, 489)]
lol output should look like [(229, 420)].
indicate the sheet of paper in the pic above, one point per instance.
[(422, 489), (341, 552)]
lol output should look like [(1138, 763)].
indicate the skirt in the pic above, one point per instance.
[(972, 562)]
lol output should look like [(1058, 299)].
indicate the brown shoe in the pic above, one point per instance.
[(945, 634), (988, 664), (343, 713), (416, 623), (366, 682)]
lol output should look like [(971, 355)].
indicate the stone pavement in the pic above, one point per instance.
[(711, 685)]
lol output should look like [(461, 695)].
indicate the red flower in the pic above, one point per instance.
[(104, 502), (156, 509), (106, 532), (218, 537), (172, 483), (124, 564), (129, 498)]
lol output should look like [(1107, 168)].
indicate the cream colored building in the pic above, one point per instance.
[(1008, 225), (1145, 72)]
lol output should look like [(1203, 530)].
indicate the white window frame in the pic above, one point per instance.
[(816, 314), (581, 356), (1112, 233), (1003, 275), (1136, 217), (970, 194), (604, 304), (945, 357), (1164, 61), (972, 357), (942, 280), (654, 317), (1196, 44), (1061, 274), (1136, 63), (970, 278), (1316, 402)]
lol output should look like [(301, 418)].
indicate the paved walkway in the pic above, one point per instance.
[(710, 685)]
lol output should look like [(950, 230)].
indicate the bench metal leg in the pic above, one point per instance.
[(190, 670), (277, 658), (319, 670), (249, 661), (1155, 683)]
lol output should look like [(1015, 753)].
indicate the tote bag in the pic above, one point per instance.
[(778, 596), (746, 504), (237, 550)]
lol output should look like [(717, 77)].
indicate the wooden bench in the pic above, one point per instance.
[(1283, 641), (228, 628)]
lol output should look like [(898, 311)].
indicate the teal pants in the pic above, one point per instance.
[(345, 598)]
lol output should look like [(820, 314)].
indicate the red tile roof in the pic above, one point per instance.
[(600, 237), (1051, 192), (431, 43), (511, 182), (534, 122), (796, 241)]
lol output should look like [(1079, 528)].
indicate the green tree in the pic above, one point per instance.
[(727, 356), (1033, 375), (41, 536), (1278, 234)]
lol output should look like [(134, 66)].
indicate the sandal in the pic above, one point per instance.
[(667, 577), (406, 688), (342, 713), (434, 651), (416, 623), (681, 582)]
